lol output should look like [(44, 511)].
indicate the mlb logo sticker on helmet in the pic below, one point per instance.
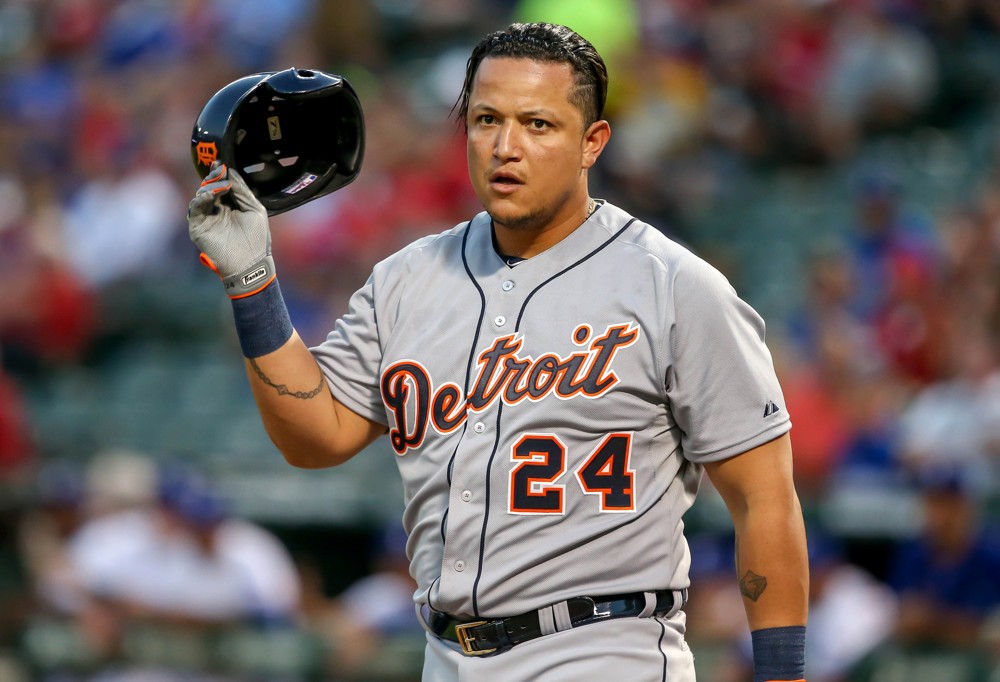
[(302, 183)]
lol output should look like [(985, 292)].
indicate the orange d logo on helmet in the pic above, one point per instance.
[(207, 153)]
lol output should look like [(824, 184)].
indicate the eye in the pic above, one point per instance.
[(486, 119), (538, 124)]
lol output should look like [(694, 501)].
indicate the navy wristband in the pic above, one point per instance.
[(779, 653), (262, 322)]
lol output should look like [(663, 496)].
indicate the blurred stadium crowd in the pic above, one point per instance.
[(837, 159)]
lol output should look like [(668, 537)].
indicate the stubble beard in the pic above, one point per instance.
[(532, 221), (527, 222)]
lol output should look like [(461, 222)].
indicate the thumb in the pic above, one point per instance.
[(216, 172)]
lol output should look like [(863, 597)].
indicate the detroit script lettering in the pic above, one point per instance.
[(503, 374)]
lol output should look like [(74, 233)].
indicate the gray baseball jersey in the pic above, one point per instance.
[(550, 419)]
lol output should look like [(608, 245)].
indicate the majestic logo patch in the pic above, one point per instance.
[(408, 390), (770, 408), (207, 153), (257, 274)]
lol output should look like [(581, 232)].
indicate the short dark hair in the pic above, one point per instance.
[(545, 43)]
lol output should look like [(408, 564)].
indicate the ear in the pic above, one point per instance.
[(595, 138)]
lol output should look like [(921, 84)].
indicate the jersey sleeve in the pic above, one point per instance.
[(351, 357), (721, 384)]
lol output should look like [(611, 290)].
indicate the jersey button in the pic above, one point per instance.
[(507, 285), (460, 566), (466, 495), (500, 320), (479, 427)]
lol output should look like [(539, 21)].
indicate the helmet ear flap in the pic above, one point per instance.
[(294, 135)]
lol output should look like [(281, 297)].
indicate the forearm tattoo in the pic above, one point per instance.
[(282, 389), (752, 585)]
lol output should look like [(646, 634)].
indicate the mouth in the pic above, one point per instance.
[(505, 182)]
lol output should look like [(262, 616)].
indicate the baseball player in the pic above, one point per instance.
[(554, 376)]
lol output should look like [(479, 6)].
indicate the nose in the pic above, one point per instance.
[(507, 146)]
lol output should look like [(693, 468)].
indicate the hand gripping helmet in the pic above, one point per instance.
[(293, 135)]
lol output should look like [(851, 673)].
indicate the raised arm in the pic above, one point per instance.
[(771, 559), (303, 419)]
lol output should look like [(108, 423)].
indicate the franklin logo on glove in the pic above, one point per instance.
[(254, 276)]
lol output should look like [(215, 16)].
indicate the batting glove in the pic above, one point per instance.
[(229, 225)]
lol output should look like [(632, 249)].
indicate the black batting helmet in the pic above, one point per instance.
[(293, 135)]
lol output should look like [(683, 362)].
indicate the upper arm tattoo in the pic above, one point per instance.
[(282, 389)]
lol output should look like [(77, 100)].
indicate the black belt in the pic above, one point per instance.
[(481, 637)]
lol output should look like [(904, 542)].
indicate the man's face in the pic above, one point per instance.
[(526, 145)]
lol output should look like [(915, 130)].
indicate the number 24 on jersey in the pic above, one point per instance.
[(541, 462)]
